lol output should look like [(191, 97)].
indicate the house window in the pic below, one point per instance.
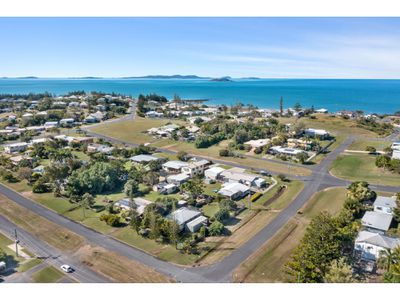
[(378, 208)]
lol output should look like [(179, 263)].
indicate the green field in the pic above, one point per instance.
[(131, 131), (267, 264), (362, 167), (361, 144), (47, 275)]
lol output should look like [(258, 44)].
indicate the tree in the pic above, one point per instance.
[(131, 188), (339, 272), (302, 157), (216, 228), (370, 149), (25, 173), (359, 190), (194, 187), (224, 152), (297, 107), (173, 232), (111, 220), (382, 161), (320, 245), (182, 155)]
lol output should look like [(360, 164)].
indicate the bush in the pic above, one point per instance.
[(370, 149), (216, 228), (222, 214), (41, 186), (224, 152), (111, 220)]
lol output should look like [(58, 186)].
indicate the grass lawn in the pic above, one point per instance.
[(47, 275), (361, 144), (267, 264), (209, 210), (29, 264), (131, 131), (362, 167), (336, 125)]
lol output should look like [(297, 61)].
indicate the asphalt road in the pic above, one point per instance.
[(51, 255)]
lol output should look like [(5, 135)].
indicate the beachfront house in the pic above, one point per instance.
[(371, 244), (234, 190), (385, 204), (320, 134)]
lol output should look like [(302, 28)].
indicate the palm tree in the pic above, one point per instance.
[(386, 258)]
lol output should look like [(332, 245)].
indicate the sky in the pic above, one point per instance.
[(237, 47)]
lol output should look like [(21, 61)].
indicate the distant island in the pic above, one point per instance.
[(167, 77), (222, 79)]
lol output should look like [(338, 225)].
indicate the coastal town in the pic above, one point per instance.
[(196, 192)]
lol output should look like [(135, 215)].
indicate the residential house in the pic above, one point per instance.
[(196, 224), (174, 166), (378, 222), (385, 204), (139, 204), (178, 179), (195, 168), (154, 114), (317, 133), (165, 188), (284, 150), (213, 173), (322, 111), (234, 190), (144, 158), (184, 215), (15, 147), (67, 122), (371, 244), (38, 170), (105, 149), (257, 143), (238, 175)]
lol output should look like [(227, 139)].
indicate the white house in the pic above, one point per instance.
[(257, 143), (213, 173), (195, 168), (371, 244), (15, 147), (139, 204), (105, 149), (183, 216), (376, 221), (196, 224), (234, 190), (396, 154), (178, 179), (238, 175), (322, 111), (174, 166), (317, 133), (165, 188), (144, 158), (285, 150), (67, 121), (385, 204), (154, 114)]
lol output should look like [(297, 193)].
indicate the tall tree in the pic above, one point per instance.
[(339, 272)]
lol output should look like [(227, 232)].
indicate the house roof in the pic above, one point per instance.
[(183, 215), (179, 177), (197, 221), (215, 171), (233, 174), (175, 164), (258, 143), (377, 239), (377, 220), (230, 189), (385, 202), (144, 158)]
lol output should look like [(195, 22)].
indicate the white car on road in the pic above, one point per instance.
[(67, 269)]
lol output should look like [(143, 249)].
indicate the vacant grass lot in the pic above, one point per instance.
[(267, 264), (361, 144), (132, 131), (362, 167), (47, 275)]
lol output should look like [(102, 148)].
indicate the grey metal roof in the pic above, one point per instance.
[(377, 220), (144, 158), (385, 201), (377, 239), (183, 215)]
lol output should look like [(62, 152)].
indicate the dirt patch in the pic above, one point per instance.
[(118, 268)]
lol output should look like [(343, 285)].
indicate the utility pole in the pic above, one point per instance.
[(16, 242)]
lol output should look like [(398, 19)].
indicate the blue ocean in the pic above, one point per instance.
[(380, 96)]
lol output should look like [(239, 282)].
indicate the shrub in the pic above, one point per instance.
[(255, 197)]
